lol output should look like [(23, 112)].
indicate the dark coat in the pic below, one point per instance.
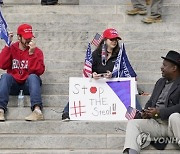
[(172, 103), (97, 64)]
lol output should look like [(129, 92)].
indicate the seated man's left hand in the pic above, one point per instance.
[(151, 112)]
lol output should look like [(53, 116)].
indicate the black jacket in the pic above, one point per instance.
[(97, 64), (172, 103)]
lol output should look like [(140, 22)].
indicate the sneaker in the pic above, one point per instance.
[(49, 2), (65, 116), (136, 11), (150, 20), (2, 118), (34, 116), (148, 2)]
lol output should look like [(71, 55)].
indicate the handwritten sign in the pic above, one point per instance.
[(103, 99)]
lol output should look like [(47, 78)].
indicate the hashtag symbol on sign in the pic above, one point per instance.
[(77, 109)]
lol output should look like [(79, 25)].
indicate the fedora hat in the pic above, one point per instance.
[(173, 57)]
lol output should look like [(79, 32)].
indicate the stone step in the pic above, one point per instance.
[(59, 88), (62, 88), (18, 2), (81, 18), (17, 113), (37, 2), (61, 9), (57, 26), (58, 127), (84, 2), (130, 45), (59, 101), (71, 18), (85, 151), (141, 60), (54, 141), (77, 66), (118, 15), (126, 36), (163, 46), (51, 81), (79, 36), (65, 135), (52, 108), (135, 57), (120, 2), (63, 76), (143, 99), (78, 9)]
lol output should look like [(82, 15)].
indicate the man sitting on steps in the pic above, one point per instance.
[(24, 63), (161, 116)]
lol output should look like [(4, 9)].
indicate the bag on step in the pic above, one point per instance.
[(49, 2)]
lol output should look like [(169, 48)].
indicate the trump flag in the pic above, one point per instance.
[(122, 66), (3, 30)]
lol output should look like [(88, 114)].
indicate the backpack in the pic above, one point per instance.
[(49, 2)]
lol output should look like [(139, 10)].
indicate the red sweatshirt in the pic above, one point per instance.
[(20, 64)]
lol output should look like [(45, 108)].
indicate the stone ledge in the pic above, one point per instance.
[(38, 2)]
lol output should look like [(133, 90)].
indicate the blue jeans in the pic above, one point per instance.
[(138, 106), (66, 108), (9, 86)]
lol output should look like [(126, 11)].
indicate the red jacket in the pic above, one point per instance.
[(20, 64)]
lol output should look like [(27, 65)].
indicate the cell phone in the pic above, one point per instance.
[(103, 74)]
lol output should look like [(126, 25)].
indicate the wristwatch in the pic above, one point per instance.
[(156, 116)]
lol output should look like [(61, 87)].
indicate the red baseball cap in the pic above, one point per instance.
[(25, 31), (111, 33)]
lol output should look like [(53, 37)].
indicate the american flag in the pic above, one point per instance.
[(87, 70), (122, 66), (130, 113), (3, 30), (97, 39)]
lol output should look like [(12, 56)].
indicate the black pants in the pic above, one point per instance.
[(49, 2)]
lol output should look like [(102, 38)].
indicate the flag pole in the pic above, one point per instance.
[(120, 50)]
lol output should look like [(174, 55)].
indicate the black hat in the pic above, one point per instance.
[(173, 57)]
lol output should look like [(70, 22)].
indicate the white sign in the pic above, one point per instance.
[(103, 99)]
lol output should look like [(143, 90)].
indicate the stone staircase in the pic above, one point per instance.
[(62, 32)]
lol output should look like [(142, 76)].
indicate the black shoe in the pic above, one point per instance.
[(65, 116), (49, 2)]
